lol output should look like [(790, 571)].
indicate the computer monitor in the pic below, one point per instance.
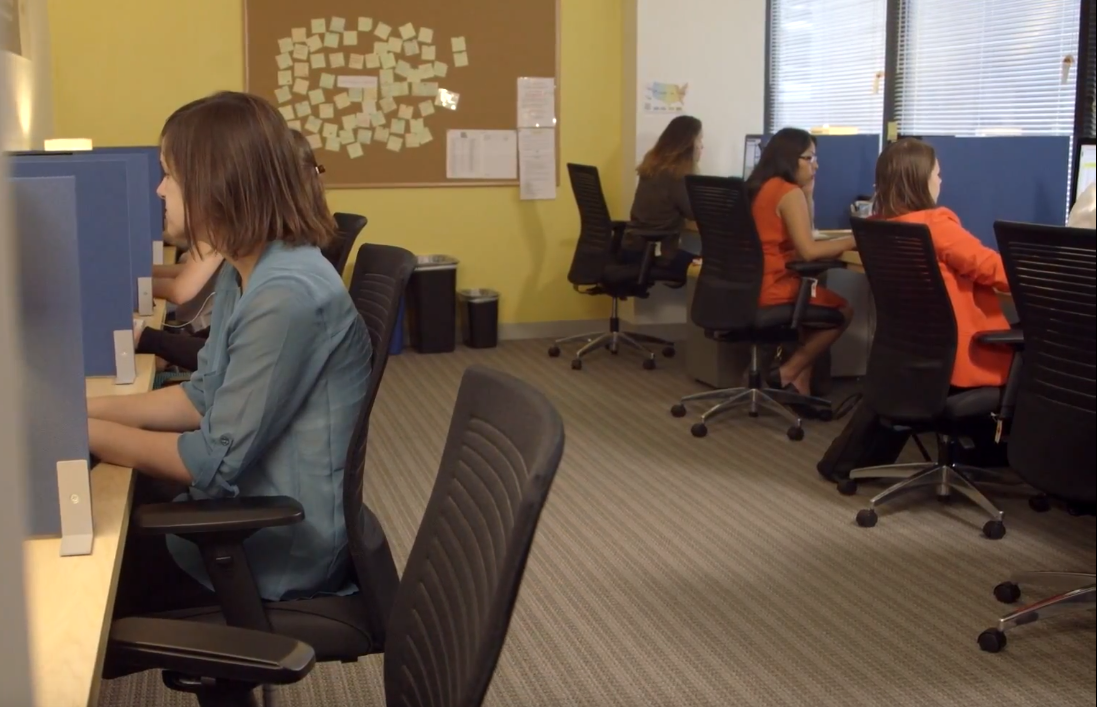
[(752, 152), (1085, 166)]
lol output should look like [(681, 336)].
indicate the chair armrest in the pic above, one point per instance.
[(203, 650), (617, 236), (220, 515), (810, 268), (1014, 338)]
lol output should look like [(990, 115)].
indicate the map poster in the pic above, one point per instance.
[(662, 97), (10, 32)]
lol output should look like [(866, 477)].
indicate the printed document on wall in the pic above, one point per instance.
[(536, 102), (481, 154), (537, 163)]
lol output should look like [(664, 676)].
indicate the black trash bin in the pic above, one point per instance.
[(432, 304), (479, 318)]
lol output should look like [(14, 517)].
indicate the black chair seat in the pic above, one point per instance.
[(977, 402), (627, 275), (773, 325)]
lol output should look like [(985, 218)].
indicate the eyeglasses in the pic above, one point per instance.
[(320, 169), (813, 159)]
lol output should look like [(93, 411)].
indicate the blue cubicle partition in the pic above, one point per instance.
[(48, 286), (847, 170), (103, 247), (985, 179), (155, 176)]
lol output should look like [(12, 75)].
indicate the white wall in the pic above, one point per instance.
[(26, 101)]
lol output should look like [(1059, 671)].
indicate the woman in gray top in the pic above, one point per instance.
[(661, 203)]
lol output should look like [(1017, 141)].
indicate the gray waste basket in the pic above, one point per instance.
[(479, 318)]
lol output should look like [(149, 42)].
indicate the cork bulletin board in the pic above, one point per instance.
[(379, 88)]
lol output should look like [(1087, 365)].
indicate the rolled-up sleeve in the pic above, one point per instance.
[(194, 387), (276, 351)]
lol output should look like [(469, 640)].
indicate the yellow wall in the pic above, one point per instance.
[(121, 66)]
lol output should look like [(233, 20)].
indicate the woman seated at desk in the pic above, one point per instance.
[(661, 204), (781, 188), (273, 404), (908, 182)]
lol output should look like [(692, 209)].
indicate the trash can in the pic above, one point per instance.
[(432, 304), (479, 318)]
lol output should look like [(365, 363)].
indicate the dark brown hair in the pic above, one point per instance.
[(313, 185), (673, 151), (902, 178), (242, 179), (780, 158)]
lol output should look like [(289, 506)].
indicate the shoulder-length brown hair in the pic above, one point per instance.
[(242, 179), (313, 184), (902, 178), (674, 150)]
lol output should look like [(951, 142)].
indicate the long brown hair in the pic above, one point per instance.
[(674, 150), (902, 178), (242, 180), (313, 185)]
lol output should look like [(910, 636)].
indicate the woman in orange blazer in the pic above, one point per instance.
[(908, 182), (781, 188)]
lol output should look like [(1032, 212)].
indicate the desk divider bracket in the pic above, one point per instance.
[(74, 499), (125, 360), (158, 252), (144, 296)]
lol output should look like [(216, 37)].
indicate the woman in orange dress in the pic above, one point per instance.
[(781, 188), (908, 182)]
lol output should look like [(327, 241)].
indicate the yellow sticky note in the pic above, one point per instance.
[(313, 124), (387, 105), (411, 140), (428, 52), (411, 47), (350, 39), (301, 69), (332, 144), (285, 45), (365, 137), (316, 96), (327, 111), (458, 44), (285, 78), (401, 88), (426, 88), (301, 86), (337, 60), (426, 71), (387, 76), (380, 48), (373, 61), (380, 134), (285, 61), (403, 68), (395, 143), (369, 105), (365, 24), (383, 31), (318, 61), (330, 130), (350, 122), (354, 150), (319, 26), (346, 136), (441, 69), (299, 35), (315, 142), (315, 43), (355, 95), (426, 108), (342, 101), (395, 45), (369, 93), (425, 136), (386, 90), (356, 62), (287, 112), (426, 35), (303, 108), (398, 126), (283, 94), (407, 31), (331, 40), (327, 81), (406, 112), (460, 59), (377, 119), (337, 24), (388, 61), (294, 125), (417, 125), (301, 52)]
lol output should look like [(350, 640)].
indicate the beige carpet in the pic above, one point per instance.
[(688, 573)]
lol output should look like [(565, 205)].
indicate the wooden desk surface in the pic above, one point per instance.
[(70, 599)]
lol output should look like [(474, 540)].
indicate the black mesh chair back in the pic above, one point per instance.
[(726, 298), (380, 277), (595, 248), (1051, 272), (348, 226), (462, 577), (914, 347)]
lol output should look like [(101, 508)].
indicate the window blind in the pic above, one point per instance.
[(987, 67), (827, 64)]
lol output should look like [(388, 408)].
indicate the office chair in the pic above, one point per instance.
[(340, 628), (907, 382), (725, 302), (348, 226), (595, 270), (1051, 274), (453, 607)]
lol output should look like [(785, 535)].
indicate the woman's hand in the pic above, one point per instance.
[(809, 188)]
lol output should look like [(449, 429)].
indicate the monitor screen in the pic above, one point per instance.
[(1086, 167), (752, 152)]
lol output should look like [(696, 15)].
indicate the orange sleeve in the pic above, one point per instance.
[(968, 257)]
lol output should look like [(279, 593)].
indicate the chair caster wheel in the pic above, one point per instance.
[(992, 640), (611, 349), (577, 364), (668, 351), (1007, 592), (994, 529), (824, 415), (554, 351), (752, 413), (649, 364), (847, 487), (1039, 503), (944, 498), (699, 430), (866, 518), (795, 433), (678, 410)]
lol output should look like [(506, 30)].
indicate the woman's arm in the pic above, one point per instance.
[(189, 282), (795, 212), (166, 410), (965, 255)]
